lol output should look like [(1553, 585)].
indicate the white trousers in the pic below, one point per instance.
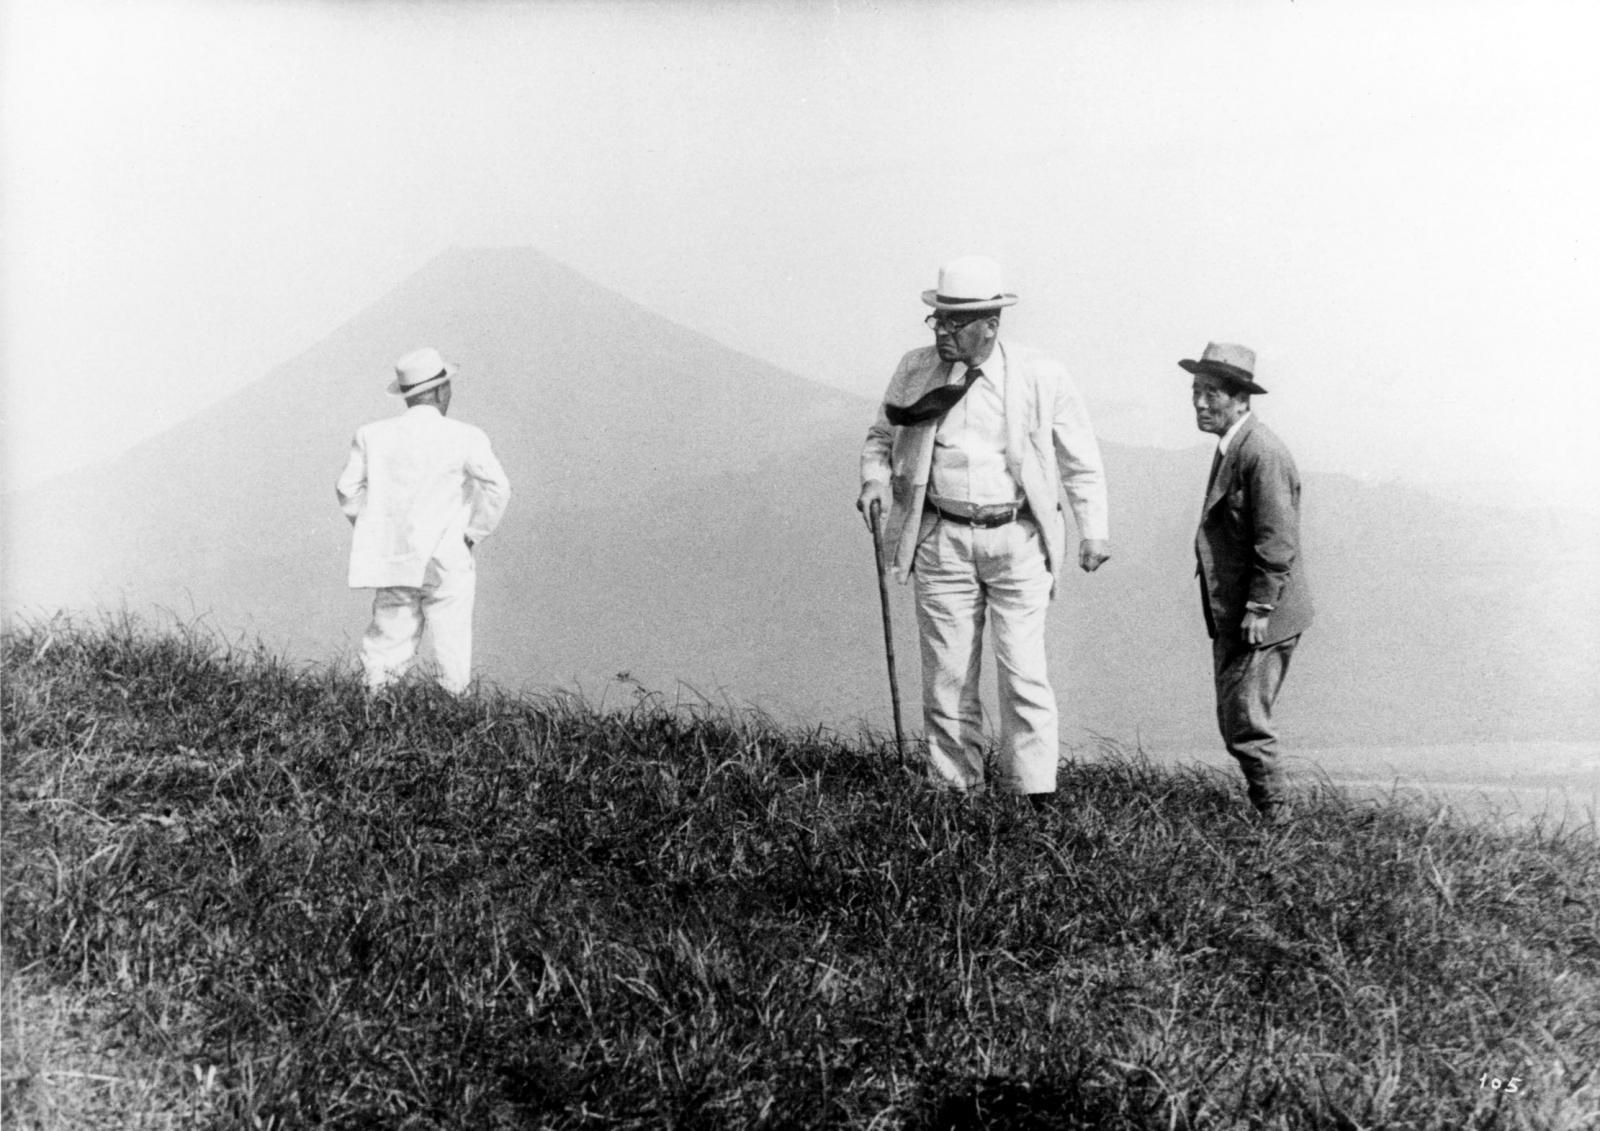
[(442, 605), (965, 575)]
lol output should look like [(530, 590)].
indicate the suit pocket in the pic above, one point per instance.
[(1236, 508)]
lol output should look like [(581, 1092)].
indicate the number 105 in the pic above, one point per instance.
[(1508, 1086)]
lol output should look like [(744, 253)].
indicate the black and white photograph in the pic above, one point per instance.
[(799, 563)]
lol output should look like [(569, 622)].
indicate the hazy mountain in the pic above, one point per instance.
[(589, 398), (684, 514)]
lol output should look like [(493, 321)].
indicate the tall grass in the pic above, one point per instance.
[(513, 912)]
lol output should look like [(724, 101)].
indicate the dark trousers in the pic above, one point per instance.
[(1248, 681)]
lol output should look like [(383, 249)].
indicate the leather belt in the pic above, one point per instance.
[(998, 514)]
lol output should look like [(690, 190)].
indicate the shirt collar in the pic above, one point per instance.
[(993, 366), (1233, 430)]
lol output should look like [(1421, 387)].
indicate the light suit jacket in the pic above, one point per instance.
[(416, 486), (1050, 445), (1248, 545)]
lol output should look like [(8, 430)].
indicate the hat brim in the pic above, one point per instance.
[(398, 390), (945, 302), (1232, 374)]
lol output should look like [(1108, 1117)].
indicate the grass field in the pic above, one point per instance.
[(237, 894)]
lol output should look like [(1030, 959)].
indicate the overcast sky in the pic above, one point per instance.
[(1392, 202)]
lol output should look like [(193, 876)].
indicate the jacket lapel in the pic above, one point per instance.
[(918, 438), (1219, 485), (1016, 414)]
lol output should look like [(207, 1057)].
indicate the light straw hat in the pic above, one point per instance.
[(973, 282), (419, 371)]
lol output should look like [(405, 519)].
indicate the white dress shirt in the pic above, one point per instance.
[(969, 447)]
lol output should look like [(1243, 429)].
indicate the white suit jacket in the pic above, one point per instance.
[(1049, 441), (416, 486)]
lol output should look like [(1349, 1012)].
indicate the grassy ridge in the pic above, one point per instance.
[(505, 912)]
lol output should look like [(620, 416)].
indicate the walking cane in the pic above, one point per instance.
[(888, 632)]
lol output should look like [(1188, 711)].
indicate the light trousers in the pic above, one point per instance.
[(966, 576), (1248, 681), (443, 606)]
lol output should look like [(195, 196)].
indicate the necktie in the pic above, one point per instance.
[(1216, 462), (932, 404)]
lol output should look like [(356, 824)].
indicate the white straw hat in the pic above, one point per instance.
[(419, 371), (972, 282)]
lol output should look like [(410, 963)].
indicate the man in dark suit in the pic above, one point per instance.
[(1252, 581)]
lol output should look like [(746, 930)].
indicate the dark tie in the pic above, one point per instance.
[(1216, 462), (932, 404)]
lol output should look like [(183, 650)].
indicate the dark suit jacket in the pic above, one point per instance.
[(1248, 544)]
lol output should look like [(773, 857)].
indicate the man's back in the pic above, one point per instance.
[(417, 485)]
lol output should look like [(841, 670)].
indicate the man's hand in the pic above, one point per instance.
[(1093, 553), (874, 490), (1253, 629)]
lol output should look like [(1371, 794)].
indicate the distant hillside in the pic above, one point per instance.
[(589, 398), (684, 513), (769, 596)]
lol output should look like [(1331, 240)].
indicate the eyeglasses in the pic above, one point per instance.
[(937, 322)]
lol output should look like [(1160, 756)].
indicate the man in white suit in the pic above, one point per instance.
[(972, 446), (422, 491)]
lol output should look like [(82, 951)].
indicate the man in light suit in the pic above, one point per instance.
[(422, 491), (1252, 582), (971, 448)]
